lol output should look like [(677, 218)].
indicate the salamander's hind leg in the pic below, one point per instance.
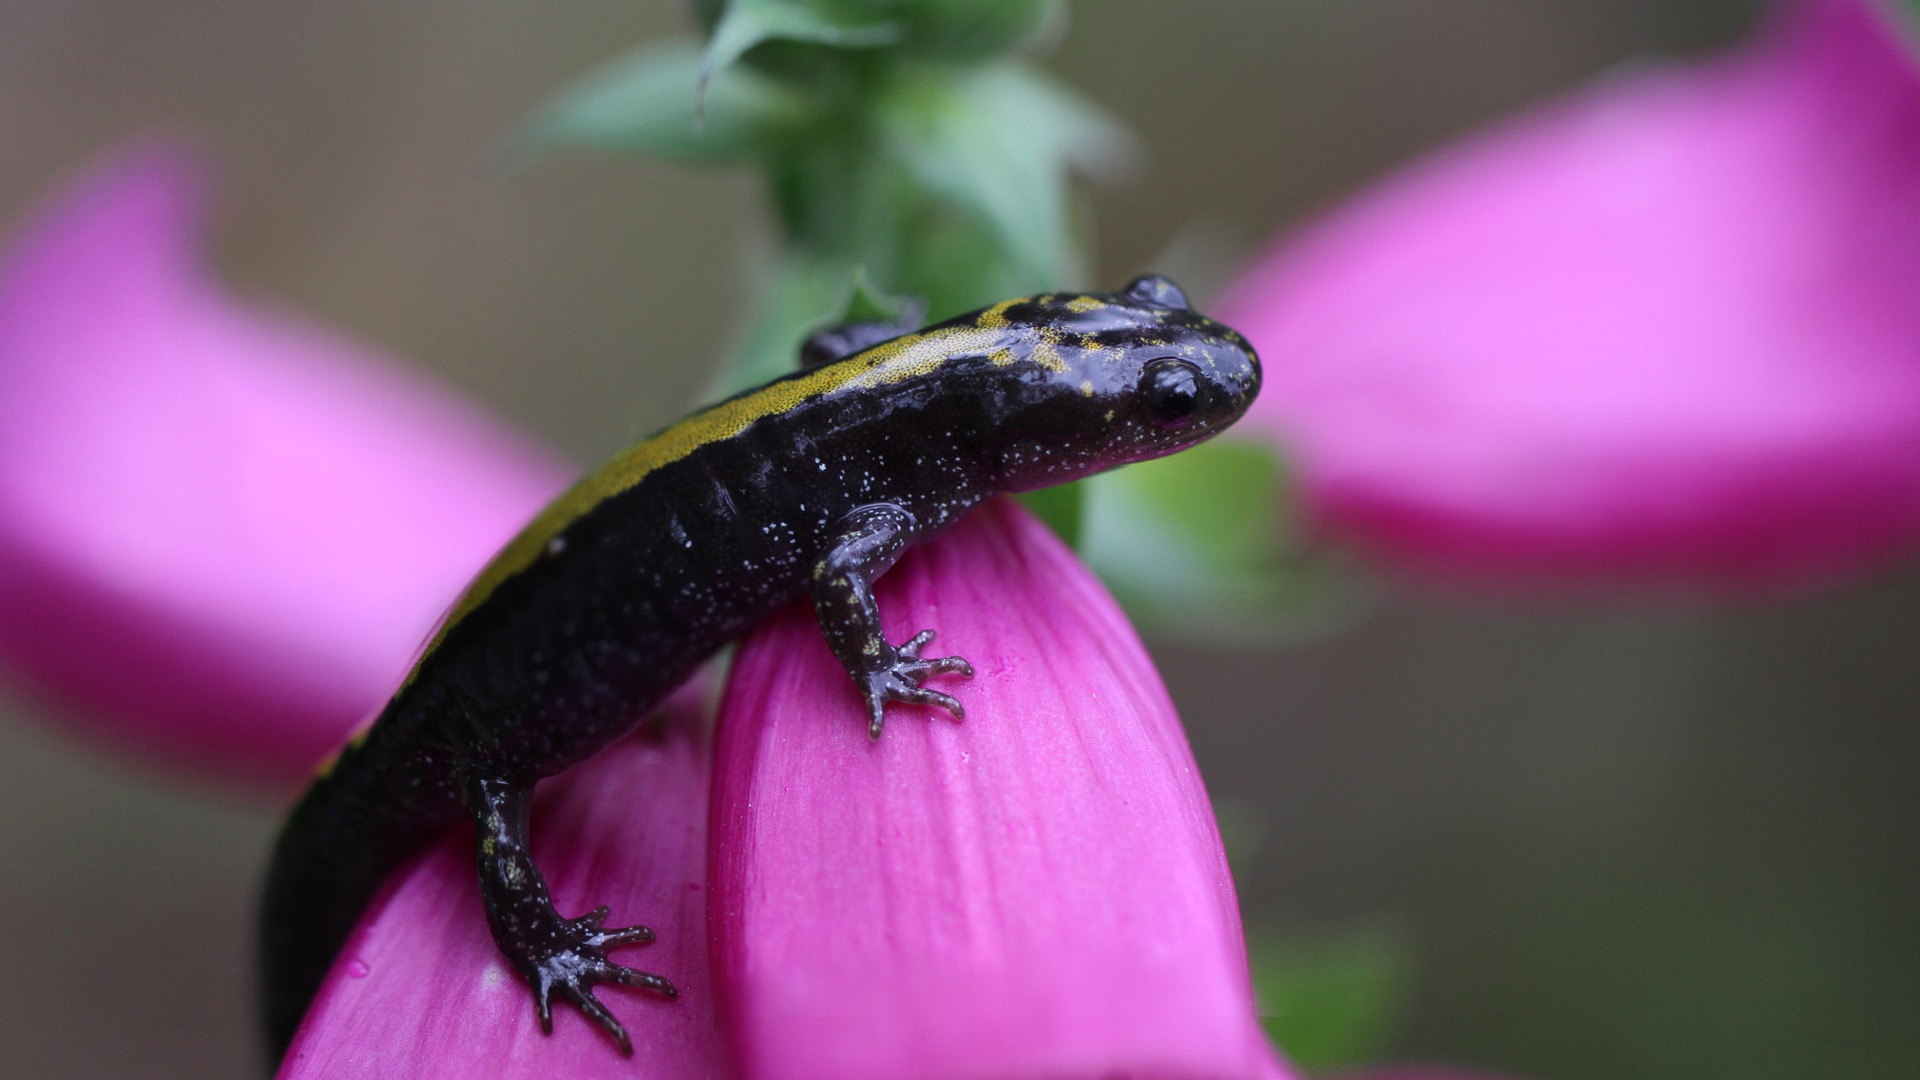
[(558, 956)]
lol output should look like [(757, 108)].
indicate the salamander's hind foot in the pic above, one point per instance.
[(570, 960), (558, 956), (901, 681)]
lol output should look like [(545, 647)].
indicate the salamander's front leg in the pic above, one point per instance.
[(556, 955), (869, 541)]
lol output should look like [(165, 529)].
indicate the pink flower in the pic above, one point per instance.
[(222, 530), (223, 534), (420, 991), (1662, 332), (1037, 892)]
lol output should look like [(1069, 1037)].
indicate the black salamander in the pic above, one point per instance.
[(622, 587)]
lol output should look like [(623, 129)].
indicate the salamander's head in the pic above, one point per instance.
[(1089, 381)]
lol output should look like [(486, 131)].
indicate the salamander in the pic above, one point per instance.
[(611, 597)]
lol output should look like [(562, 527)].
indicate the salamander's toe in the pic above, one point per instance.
[(632, 935), (642, 980), (583, 999), (910, 649), (591, 922)]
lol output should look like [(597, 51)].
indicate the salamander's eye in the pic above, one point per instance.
[(1172, 390)]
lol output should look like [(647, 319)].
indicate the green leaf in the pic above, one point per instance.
[(956, 262), (998, 144), (1331, 1001), (1063, 509), (747, 23), (961, 30), (803, 295), (707, 13), (955, 30), (866, 302), (644, 104), (1199, 544)]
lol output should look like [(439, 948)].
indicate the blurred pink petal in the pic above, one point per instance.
[(1663, 332), (420, 991), (1036, 892), (223, 531)]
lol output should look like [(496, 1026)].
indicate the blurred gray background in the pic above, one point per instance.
[(1622, 843)]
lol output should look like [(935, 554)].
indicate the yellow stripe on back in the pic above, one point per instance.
[(892, 361)]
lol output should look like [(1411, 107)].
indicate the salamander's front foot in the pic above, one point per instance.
[(901, 682), (571, 959)]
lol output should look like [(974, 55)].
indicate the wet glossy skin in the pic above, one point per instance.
[(617, 592)]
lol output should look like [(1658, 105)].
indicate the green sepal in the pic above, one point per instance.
[(803, 295), (644, 104), (1331, 1000), (952, 30), (747, 23), (1200, 545), (706, 13), (971, 30), (957, 263), (867, 302), (998, 144), (1062, 509)]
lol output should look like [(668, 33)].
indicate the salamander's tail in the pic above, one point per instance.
[(357, 823)]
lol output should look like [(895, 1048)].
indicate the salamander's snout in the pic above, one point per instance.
[(1115, 378), (1204, 386), (1235, 373), (1197, 373)]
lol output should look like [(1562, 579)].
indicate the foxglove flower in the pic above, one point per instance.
[(1660, 333), (421, 992), (1037, 892), (222, 530)]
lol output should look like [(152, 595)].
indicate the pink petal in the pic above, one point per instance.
[(1036, 892), (223, 531), (1663, 331), (421, 992)]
